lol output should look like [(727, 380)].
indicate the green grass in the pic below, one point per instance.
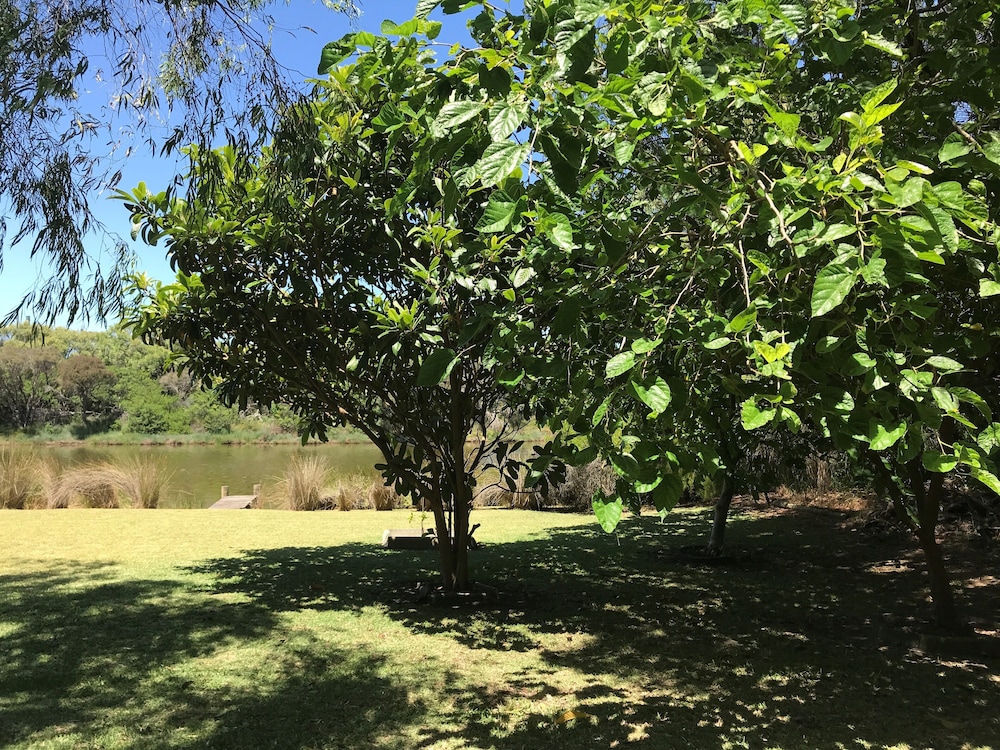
[(258, 629)]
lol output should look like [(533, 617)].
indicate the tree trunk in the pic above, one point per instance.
[(929, 497), (444, 542), (946, 615), (720, 515), (461, 496)]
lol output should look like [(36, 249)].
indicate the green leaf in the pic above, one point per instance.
[(954, 149), (499, 161), (619, 364), (881, 438), (754, 418), (938, 462), (436, 367), (987, 478), (624, 149), (616, 51), (521, 276), (497, 215), (907, 193), (644, 346), (969, 396), (655, 394), (877, 95), (335, 52), (454, 114), (510, 378), (505, 122), (944, 364), (988, 288), (832, 286), (743, 320), (608, 511), (601, 411), (989, 438), (718, 343), (560, 231), (667, 493), (882, 44), (834, 232), (944, 225), (424, 7)]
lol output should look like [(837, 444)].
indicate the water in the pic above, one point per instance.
[(197, 472)]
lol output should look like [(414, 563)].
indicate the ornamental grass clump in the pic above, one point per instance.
[(383, 497), (139, 481), (86, 486), (135, 483), (19, 477), (305, 483)]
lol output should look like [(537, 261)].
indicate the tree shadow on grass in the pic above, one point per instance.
[(803, 642), (90, 660)]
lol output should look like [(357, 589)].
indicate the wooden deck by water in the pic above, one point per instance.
[(236, 502)]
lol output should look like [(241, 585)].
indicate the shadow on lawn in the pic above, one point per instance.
[(87, 661), (803, 642)]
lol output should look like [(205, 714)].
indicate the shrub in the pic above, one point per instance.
[(582, 483)]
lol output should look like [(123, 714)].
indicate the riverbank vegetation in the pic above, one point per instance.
[(108, 388)]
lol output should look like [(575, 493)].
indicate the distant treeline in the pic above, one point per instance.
[(59, 383)]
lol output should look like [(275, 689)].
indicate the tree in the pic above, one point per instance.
[(207, 62), (808, 191), (87, 383), (27, 385), (325, 293)]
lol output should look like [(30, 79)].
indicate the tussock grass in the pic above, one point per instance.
[(382, 497), (304, 483), (19, 476), (136, 482)]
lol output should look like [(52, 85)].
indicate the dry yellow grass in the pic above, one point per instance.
[(18, 476)]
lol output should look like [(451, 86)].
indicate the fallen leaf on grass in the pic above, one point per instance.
[(570, 715)]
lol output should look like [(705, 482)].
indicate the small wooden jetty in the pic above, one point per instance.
[(236, 502)]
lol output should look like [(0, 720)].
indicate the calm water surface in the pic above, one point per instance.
[(197, 472)]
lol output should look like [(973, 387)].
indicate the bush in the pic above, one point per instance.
[(582, 483), (146, 420)]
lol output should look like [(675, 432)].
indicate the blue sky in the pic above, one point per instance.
[(303, 28)]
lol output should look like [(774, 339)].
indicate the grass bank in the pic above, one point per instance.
[(192, 629), (65, 436)]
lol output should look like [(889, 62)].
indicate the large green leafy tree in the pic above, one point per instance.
[(790, 206), (303, 280), (206, 64)]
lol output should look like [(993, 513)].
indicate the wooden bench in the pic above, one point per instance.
[(407, 539)]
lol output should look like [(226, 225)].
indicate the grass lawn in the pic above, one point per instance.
[(272, 629)]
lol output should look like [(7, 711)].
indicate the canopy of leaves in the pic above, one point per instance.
[(790, 206)]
